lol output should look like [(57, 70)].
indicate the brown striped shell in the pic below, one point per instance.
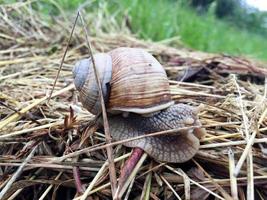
[(138, 83), (85, 81)]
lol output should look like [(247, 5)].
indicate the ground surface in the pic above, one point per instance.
[(234, 114)]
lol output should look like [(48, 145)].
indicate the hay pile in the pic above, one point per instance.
[(44, 144)]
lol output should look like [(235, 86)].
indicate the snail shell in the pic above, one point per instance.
[(132, 81), (177, 147), (85, 81)]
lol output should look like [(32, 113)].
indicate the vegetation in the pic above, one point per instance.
[(164, 19), (160, 20)]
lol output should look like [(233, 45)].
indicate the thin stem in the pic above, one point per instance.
[(63, 58), (112, 174)]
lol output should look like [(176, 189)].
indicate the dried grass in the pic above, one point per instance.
[(234, 115)]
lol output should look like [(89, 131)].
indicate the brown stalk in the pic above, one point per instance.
[(63, 58), (251, 139), (112, 174), (233, 181), (222, 191), (147, 184), (17, 173), (194, 182), (171, 188), (77, 180), (27, 115), (50, 187)]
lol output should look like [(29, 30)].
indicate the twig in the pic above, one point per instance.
[(22, 60), (226, 181), (186, 184), (77, 180), (150, 170), (250, 175), (231, 143), (63, 58), (97, 176), (49, 166), (50, 187), (194, 182), (22, 114), (17, 173), (129, 189), (16, 116), (112, 174), (233, 180), (147, 184), (14, 195), (241, 105), (169, 185), (249, 144), (222, 191)]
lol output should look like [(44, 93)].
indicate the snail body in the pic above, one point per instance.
[(132, 81), (177, 147)]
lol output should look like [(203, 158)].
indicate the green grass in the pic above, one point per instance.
[(159, 20), (162, 19)]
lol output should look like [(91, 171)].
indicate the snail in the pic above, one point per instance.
[(138, 100)]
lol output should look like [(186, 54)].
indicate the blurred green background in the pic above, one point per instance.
[(220, 26)]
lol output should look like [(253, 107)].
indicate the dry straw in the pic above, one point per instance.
[(65, 140)]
